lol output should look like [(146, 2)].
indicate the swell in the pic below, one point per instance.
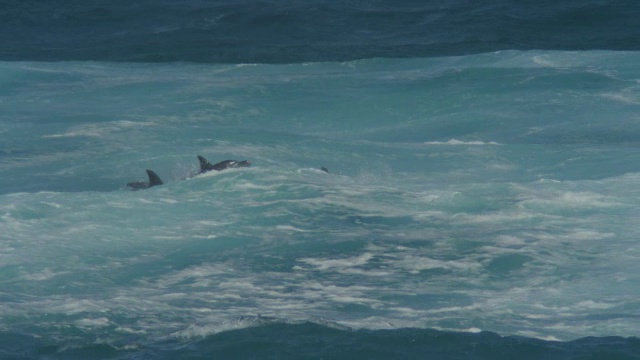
[(313, 341)]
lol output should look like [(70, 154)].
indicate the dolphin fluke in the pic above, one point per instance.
[(205, 165), (154, 180)]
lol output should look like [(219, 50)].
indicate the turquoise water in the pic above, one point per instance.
[(484, 193)]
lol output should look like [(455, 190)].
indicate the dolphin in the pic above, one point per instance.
[(324, 169), (206, 166), (154, 180)]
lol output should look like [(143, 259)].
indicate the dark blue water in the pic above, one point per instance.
[(102, 321), (312, 341), (228, 31)]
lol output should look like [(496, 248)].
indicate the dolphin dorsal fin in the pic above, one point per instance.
[(154, 179), (205, 165)]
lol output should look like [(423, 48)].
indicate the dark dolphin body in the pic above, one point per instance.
[(154, 180), (324, 169), (206, 166)]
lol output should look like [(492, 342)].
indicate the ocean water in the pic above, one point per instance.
[(481, 200)]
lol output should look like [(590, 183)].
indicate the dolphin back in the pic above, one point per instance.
[(229, 164), (137, 185)]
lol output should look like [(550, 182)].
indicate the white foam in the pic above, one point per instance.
[(452, 309), (337, 264), (409, 312), (545, 61), (580, 199), (415, 264), (43, 275), (537, 335), (592, 305), (72, 306), (198, 273), (290, 228), (95, 322), (496, 217), (627, 99), (473, 330), (213, 325), (355, 294), (100, 129), (459, 142)]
